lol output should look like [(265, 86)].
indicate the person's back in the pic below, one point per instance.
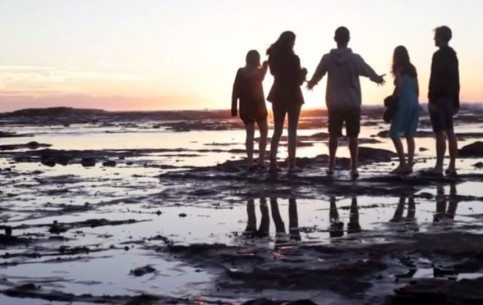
[(343, 95), (343, 86), (444, 80), (409, 89)]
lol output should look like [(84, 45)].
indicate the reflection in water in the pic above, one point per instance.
[(251, 230), (263, 230), (336, 228), (409, 223), (442, 213)]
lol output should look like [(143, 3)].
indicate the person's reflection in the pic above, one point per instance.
[(251, 229), (336, 228), (293, 227), (280, 234), (252, 219), (443, 213), (353, 226), (293, 220), (410, 220)]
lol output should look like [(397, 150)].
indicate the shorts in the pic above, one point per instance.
[(441, 114), (351, 118)]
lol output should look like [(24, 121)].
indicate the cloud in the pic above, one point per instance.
[(45, 79)]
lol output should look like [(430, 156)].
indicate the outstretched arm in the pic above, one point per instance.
[(235, 94), (319, 72), (263, 70), (367, 71)]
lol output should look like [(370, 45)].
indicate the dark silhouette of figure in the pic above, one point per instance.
[(251, 230), (445, 207), (285, 95), (409, 222), (443, 100), (405, 120), (248, 89), (343, 96)]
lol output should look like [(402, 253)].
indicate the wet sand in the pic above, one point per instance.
[(158, 208)]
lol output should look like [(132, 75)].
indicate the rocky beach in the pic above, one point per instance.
[(102, 207)]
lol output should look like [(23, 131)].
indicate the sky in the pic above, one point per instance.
[(184, 54)]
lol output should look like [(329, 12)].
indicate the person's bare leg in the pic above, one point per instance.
[(354, 152), (250, 130), (440, 151), (293, 121), (411, 149), (400, 153), (453, 149), (262, 144), (278, 120), (333, 143)]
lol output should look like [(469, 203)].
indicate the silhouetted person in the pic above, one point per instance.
[(343, 96), (336, 228), (353, 226), (285, 95), (248, 90), (405, 120), (443, 100)]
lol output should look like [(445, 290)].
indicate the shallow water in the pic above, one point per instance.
[(147, 214)]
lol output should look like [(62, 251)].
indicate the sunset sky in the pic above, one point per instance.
[(183, 54)]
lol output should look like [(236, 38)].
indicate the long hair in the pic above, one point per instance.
[(402, 63), (284, 43)]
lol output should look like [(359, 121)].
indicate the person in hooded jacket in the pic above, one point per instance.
[(343, 96)]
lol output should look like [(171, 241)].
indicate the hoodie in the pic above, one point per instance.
[(343, 87), (444, 80)]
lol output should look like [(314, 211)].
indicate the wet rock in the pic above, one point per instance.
[(419, 134), (12, 135), (30, 145), (8, 240), (109, 163), (472, 150), (48, 162), (270, 302), (142, 270), (375, 154), (433, 291), (478, 165), (147, 299), (88, 162), (57, 228)]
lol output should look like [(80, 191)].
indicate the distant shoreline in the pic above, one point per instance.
[(64, 110)]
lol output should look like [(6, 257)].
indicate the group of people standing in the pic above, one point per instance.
[(343, 100)]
